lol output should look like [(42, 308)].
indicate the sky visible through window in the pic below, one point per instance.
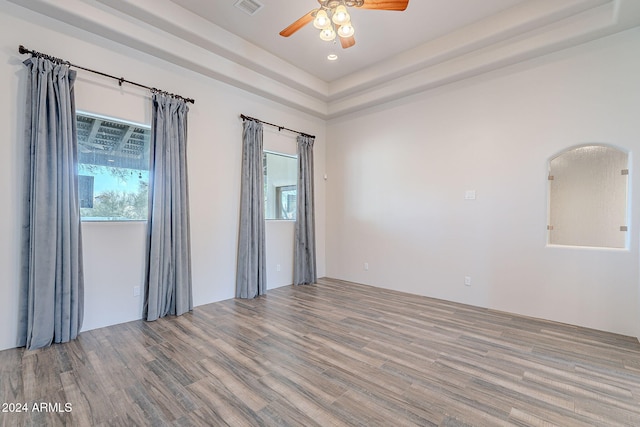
[(113, 168)]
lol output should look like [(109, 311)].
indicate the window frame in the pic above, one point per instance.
[(97, 116), (278, 211)]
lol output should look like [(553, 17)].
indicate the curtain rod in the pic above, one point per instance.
[(243, 117), (120, 80)]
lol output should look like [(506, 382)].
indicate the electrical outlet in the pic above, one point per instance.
[(136, 291), (278, 267), (366, 266), (467, 280)]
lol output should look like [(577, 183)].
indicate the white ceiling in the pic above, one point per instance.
[(431, 44), (379, 34)]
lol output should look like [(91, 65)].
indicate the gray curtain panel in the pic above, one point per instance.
[(251, 277), (304, 254), (168, 268), (52, 286)]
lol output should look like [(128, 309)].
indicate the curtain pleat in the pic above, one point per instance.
[(52, 287), (304, 263), (168, 288), (251, 279)]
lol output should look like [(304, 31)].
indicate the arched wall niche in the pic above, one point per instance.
[(588, 197)]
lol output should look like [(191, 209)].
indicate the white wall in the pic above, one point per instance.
[(113, 254), (397, 176), (396, 181)]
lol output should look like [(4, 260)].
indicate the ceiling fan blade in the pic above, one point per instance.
[(298, 24), (347, 42), (399, 5)]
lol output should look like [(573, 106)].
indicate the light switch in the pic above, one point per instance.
[(470, 195)]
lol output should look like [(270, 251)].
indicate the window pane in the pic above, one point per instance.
[(280, 180), (113, 168)]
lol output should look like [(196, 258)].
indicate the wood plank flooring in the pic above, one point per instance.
[(331, 354)]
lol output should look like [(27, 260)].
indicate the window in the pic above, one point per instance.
[(113, 168), (280, 181), (588, 197)]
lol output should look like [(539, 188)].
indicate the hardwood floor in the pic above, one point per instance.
[(331, 354)]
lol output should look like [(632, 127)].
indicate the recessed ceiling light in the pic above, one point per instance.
[(332, 57)]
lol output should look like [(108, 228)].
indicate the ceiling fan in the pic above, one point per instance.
[(332, 18)]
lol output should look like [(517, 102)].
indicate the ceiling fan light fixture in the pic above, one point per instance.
[(346, 30), (322, 20), (340, 15), (327, 34)]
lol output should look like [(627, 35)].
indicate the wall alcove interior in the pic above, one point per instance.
[(588, 194)]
